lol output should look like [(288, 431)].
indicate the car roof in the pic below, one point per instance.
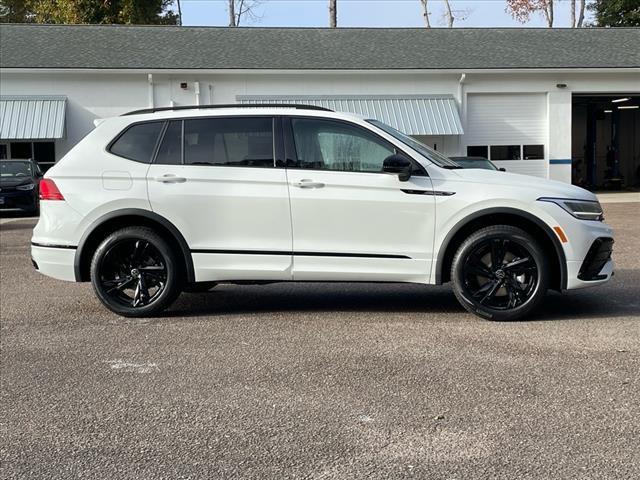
[(235, 110)]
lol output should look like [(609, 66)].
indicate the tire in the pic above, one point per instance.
[(135, 273), (512, 288)]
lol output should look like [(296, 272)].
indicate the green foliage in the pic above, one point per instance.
[(136, 12), (14, 11), (616, 13)]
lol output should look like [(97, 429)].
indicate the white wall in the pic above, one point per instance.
[(99, 94)]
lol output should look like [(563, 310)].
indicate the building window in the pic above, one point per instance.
[(533, 152), (21, 151), (478, 151), (44, 153), (505, 152)]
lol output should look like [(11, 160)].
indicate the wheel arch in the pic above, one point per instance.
[(117, 219), (503, 216)]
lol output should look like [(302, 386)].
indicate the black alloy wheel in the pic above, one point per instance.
[(500, 273), (135, 273)]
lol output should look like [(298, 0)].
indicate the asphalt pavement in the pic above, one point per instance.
[(318, 381)]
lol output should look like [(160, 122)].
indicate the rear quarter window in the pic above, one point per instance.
[(138, 142)]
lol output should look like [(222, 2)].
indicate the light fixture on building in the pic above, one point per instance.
[(629, 107), (620, 100), (183, 85), (561, 85)]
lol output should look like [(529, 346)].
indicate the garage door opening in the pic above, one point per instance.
[(606, 141)]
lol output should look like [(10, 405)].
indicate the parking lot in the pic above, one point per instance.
[(319, 380)]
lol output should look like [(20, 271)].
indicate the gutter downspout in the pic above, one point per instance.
[(462, 100), (150, 90), (196, 88)]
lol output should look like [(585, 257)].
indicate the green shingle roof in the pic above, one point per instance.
[(161, 47)]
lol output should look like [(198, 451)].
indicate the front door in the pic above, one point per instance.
[(215, 180), (351, 221)]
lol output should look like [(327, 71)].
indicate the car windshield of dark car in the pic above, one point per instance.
[(10, 169), (427, 152), (483, 164)]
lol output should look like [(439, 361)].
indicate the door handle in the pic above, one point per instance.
[(307, 183), (170, 178)]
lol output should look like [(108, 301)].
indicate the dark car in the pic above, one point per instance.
[(19, 181), (476, 162)]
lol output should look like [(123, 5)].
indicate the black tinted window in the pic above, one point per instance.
[(138, 142), (478, 151), (327, 145), (533, 152), (505, 152), (170, 151), (234, 142)]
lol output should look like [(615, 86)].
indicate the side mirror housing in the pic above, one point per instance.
[(502, 169), (399, 165)]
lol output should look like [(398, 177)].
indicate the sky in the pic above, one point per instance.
[(367, 13)]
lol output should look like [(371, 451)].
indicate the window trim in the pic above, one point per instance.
[(274, 134), (126, 129), (291, 153)]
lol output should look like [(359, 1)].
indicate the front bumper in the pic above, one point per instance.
[(24, 200)]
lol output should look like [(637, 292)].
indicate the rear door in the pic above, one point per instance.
[(351, 221), (215, 180)]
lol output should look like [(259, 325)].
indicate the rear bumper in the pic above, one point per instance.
[(54, 261)]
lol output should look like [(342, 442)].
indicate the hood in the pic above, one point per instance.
[(541, 186), (16, 181)]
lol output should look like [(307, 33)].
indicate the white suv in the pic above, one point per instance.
[(159, 201)]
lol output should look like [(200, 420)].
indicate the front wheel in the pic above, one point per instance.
[(500, 273), (135, 273)]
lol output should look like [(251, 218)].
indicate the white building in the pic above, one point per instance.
[(542, 102)]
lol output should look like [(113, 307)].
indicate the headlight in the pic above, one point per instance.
[(30, 186), (582, 209)]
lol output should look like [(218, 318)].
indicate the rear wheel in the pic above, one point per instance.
[(500, 273), (135, 273)]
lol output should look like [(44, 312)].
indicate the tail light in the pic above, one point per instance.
[(49, 190)]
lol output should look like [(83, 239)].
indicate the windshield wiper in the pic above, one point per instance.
[(452, 167)]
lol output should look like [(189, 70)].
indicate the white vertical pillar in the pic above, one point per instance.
[(559, 125), (150, 90), (196, 89)]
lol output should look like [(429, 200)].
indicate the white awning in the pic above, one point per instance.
[(411, 114), (32, 117)]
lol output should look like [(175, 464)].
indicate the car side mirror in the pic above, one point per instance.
[(502, 169), (399, 165)]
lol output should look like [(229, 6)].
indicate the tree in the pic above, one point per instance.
[(448, 13), (242, 9), (521, 10), (333, 13), (616, 13), (580, 21), (15, 11), (581, 15), (137, 12), (425, 12)]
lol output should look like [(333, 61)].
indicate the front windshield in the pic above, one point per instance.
[(15, 169), (483, 164), (427, 152)]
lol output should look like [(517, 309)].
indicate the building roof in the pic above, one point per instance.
[(165, 47)]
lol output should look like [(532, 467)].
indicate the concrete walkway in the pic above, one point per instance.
[(618, 197)]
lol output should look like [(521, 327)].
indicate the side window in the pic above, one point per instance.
[(328, 145), (138, 142), (232, 142), (170, 151)]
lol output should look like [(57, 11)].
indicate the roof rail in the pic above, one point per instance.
[(228, 105)]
